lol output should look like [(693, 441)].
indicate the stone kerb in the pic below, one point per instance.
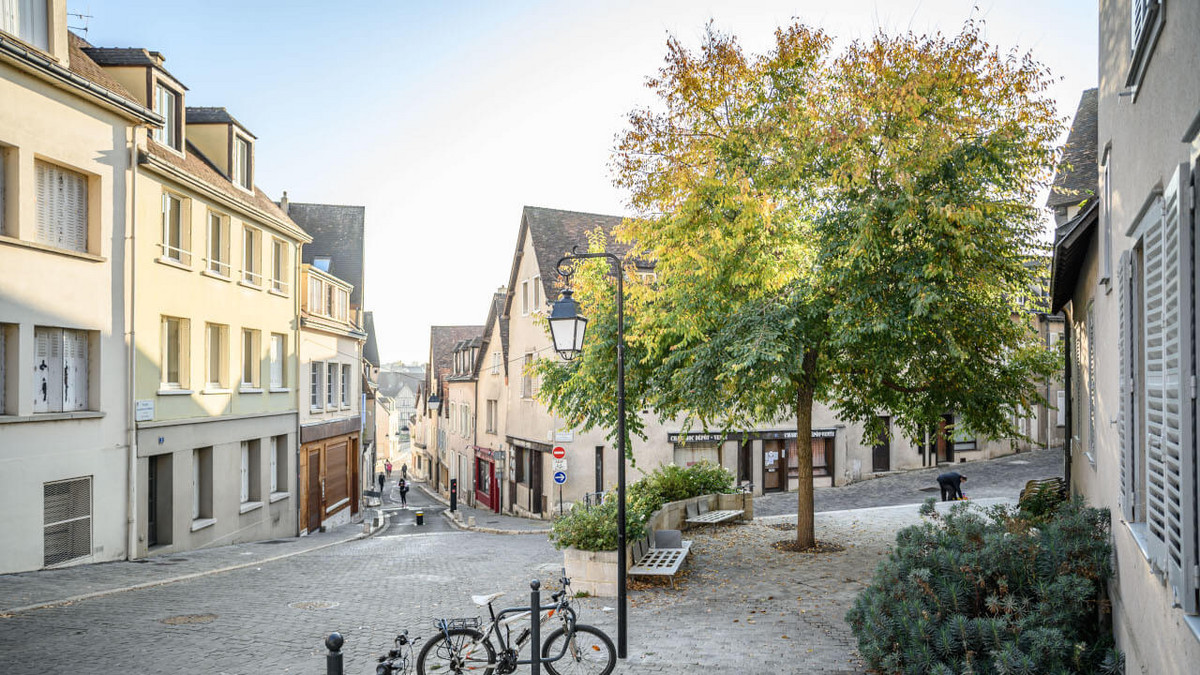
[(595, 572)]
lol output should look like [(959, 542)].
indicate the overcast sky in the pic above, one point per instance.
[(445, 118)]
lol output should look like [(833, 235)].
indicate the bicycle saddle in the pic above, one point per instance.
[(485, 600)]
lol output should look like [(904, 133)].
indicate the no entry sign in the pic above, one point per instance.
[(559, 452)]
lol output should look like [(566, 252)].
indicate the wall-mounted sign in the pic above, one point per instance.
[(704, 436), (564, 436), (559, 465), (143, 411), (560, 477), (559, 452)]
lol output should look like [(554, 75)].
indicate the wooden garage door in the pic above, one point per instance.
[(336, 475)]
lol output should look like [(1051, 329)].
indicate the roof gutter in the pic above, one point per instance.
[(48, 68)]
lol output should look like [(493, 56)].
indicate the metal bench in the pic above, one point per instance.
[(662, 556), (698, 514)]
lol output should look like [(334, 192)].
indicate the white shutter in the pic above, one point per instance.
[(47, 370), (75, 370), (245, 472), (275, 464), (45, 206), (1168, 405), (61, 207), (74, 222), (1125, 390), (195, 484), (276, 361)]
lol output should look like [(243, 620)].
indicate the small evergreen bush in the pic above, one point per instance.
[(984, 591), (595, 528)]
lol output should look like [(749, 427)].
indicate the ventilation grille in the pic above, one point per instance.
[(68, 520)]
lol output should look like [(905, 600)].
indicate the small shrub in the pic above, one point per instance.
[(595, 529), (983, 591)]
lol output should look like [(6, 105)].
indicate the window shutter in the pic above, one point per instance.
[(1168, 406), (2, 380), (74, 222), (75, 370), (245, 472), (1125, 394), (45, 204), (276, 361), (275, 464), (195, 484)]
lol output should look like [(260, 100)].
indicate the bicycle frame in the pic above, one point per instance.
[(545, 612)]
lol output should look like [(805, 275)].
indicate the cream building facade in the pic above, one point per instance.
[(214, 300), (67, 139)]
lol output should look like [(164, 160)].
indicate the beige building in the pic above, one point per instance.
[(214, 300), (68, 134), (461, 418), (330, 354), (1125, 273)]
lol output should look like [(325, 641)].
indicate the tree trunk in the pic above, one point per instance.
[(805, 527)]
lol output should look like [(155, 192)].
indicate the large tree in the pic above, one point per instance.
[(848, 228)]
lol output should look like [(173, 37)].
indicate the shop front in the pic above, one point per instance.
[(768, 459), (329, 474), (487, 487)]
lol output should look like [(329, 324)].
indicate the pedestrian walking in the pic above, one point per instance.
[(404, 472), (388, 467), (381, 479), (951, 484), (403, 492)]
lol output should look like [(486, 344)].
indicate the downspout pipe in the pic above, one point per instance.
[(131, 335)]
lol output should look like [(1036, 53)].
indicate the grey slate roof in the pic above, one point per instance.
[(213, 115), (555, 232), (371, 348), (495, 314), (391, 382), (121, 56), (1076, 178), (339, 233), (442, 340)]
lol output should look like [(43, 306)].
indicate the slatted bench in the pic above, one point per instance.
[(698, 514), (662, 556)]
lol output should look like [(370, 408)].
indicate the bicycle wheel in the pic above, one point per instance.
[(440, 655), (589, 652)]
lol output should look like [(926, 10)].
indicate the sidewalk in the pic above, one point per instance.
[(485, 520), (25, 591)]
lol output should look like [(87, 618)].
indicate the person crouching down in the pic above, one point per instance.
[(951, 484)]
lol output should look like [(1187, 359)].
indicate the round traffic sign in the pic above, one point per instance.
[(560, 477), (559, 452)]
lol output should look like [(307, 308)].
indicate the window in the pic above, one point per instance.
[(3, 187), (524, 297), (216, 374), (251, 359), (527, 377), (1091, 382), (1061, 406), (218, 244), (251, 263), (60, 372), (175, 239), (537, 294), (67, 518), (322, 262), (1156, 343), (1106, 219), (331, 386), (26, 19), (495, 363), (279, 464), (491, 416), (251, 468), (174, 353), (314, 375), (3, 351), (62, 207), (346, 389), (201, 485), (241, 162), (278, 364), (1146, 22), (279, 263), (166, 103)]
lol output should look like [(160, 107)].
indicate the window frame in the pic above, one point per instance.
[(252, 259), (29, 25), (316, 385), (331, 377), (346, 388), (170, 133), (71, 186), (251, 349), (241, 162), (217, 262), (278, 362), (178, 254), (68, 350), (279, 263), (180, 354), (221, 332)]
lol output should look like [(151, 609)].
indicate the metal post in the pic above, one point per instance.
[(333, 660), (535, 628), (560, 506), (622, 629)]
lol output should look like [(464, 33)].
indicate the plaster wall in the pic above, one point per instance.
[(43, 286)]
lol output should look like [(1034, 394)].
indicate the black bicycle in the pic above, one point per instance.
[(464, 645), (397, 660)]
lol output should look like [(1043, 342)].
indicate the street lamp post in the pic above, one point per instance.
[(567, 329)]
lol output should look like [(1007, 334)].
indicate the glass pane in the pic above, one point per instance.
[(173, 350)]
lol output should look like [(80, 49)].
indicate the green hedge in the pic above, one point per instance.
[(986, 591), (595, 529)]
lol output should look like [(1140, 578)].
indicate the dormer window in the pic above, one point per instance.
[(241, 162), (166, 103), (26, 19)]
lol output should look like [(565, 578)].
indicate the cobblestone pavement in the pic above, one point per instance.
[(485, 519), (1003, 477), (740, 605)]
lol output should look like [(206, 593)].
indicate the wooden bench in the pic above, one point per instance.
[(698, 514), (661, 556)]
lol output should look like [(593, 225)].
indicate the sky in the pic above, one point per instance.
[(445, 118)]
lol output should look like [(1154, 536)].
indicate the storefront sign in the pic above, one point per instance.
[(143, 411), (776, 434)]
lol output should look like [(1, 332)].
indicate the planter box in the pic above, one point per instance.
[(592, 571)]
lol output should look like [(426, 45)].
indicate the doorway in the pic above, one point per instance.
[(745, 463), (881, 453), (773, 476), (945, 442), (599, 468), (314, 490)]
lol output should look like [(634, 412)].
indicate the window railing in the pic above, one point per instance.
[(178, 254), (279, 286), (252, 277), (217, 267)]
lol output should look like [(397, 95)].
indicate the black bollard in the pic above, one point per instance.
[(535, 630), (333, 660)]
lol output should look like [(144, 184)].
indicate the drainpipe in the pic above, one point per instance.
[(131, 382)]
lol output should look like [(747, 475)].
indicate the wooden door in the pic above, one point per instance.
[(745, 462), (314, 490), (881, 453), (773, 476), (152, 503)]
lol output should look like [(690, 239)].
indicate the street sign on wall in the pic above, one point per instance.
[(560, 477), (559, 465), (559, 452)]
